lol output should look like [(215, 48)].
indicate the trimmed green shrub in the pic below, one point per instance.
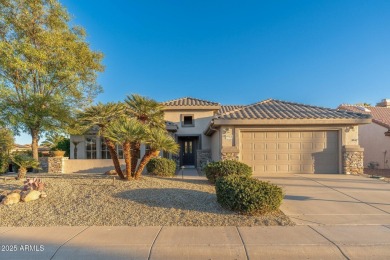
[(214, 170), (248, 195), (161, 167)]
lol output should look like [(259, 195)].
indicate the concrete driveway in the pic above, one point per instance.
[(334, 199)]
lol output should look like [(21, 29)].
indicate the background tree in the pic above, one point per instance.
[(46, 67), (52, 139), (6, 144)]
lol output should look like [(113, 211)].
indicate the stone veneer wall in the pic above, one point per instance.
[(353, 159), (44, 164), (56, 164), (202, 158), (229, 156)]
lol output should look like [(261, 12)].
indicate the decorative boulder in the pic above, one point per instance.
[(31, 195), (4, 194), (111, 172), (11, 198)]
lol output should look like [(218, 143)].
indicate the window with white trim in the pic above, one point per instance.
[(90, 147)]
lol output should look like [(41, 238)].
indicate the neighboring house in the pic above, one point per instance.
[(43, 150), (374, 137), (271, 136)]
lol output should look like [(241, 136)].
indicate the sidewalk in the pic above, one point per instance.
[(299, 242)]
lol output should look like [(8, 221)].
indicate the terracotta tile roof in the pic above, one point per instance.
[(380, 115), (225, 109), (276, 109), (189, 101)]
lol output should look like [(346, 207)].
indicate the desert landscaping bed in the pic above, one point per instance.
[(96, 200), (378, 172)]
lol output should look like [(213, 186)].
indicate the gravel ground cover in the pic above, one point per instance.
[(378, 172), (84, 200)]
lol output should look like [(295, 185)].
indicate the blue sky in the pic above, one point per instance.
[(238, 52)]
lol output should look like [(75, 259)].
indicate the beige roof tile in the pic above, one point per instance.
[(189, 101), (276, 109), (225, 109), (380, 115)]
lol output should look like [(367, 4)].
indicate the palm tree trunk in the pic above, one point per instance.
[(127, 154), (22, 172), (114, 156), (135, 148), (145, 159)]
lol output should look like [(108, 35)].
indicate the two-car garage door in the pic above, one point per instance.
[(291, 151)]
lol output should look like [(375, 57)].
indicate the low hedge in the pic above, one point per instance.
[(161, 167), (214, 170), (248, 195)]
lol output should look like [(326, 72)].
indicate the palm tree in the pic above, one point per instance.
[(125, 130), (24, 161), (102, 115), (52, 139), (158, 140), (149, 112)]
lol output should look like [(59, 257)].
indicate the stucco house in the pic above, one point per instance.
[(271, 136), (374, 137)]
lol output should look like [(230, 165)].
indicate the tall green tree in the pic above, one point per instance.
[(103, 115), (147, 111), (6, 144), (47, 68)]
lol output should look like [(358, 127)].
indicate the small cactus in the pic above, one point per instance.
[(34, 184)]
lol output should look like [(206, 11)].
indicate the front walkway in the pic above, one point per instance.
[(189, 174)]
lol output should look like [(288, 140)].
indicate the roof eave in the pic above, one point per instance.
[(218, 122), (191, 108), (210, 130)]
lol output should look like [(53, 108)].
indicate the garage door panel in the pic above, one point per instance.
[(259, 146), (307, 146), (247, 145), (283, 157), (295, 157), (295, 135), (306, 157), (291, 152), (295, 146), (283, 146), (246, 136), (271, 168), (307, 168), (259, 157), (319, 146), (283, 135), (294, 168), (271, 135), (271, 157), (271, 146), (259, 168)]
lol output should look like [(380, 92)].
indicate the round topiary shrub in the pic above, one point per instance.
[(161, 167), (214, 170), (248, 195)]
